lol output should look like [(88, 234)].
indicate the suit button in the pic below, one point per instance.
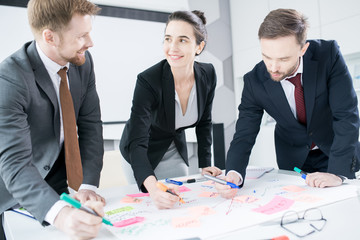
[(310, 134), (46, 167)]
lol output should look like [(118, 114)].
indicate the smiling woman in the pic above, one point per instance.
[(174, 94)]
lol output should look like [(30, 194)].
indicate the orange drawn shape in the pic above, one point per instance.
[(128, 199), (245, 199), (201, 210), (186, 222), (208, 194), (293, 188)]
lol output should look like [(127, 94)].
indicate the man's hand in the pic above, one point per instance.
[(321, 180), (84, 195), (79, 224), (225, 190)]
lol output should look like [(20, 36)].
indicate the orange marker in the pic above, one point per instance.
[(164, 188)]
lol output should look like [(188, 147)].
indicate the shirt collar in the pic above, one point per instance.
[(51, 66)]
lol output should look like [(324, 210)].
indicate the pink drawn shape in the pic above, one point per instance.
[(307, 198), (209, 183), (201, 210), (293, 188), (138, 195), (186, 222), (245, 199), (128, 199), (277, 204), (208, 194), (184, 189), (129, 221)]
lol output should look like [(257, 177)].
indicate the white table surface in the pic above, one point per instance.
[(342, 222)]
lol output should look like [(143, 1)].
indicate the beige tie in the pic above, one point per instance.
[(72, 153)]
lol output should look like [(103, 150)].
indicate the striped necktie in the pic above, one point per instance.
[(299, 98)]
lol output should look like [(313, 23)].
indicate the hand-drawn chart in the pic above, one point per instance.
[(205, 213)]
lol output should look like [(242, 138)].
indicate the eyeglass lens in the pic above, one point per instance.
[(302, 226)]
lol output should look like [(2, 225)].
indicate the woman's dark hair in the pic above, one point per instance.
[(196, 19)]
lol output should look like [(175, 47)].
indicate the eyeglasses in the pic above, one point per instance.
[(311, 221)]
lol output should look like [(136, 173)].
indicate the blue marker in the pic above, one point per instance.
[(218, 180), (173, 182), (303, 174)]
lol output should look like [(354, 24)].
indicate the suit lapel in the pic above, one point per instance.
[(75, 87), (201, 93), (309, 83), (277, 95), (168, 87), (43, 80)]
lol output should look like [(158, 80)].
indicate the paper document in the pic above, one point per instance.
[(22, 211), (253, 172)]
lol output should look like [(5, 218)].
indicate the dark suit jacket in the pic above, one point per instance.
[(151, 127), (30, 129), (331, 112)]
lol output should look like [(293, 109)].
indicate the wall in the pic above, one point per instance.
[(119, 43), (329, 19)]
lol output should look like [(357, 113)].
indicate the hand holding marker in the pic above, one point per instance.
[(218, 180), (164, 188), (76, 204)]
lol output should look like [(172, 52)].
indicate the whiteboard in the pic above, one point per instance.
[(122, 49)]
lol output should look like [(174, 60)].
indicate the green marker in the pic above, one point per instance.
[(76, 204), (303, 174)]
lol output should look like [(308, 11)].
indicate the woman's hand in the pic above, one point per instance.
[(162, 200)]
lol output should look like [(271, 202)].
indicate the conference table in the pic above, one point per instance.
[(342, 221)]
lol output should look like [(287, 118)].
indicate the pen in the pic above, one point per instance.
[(218, 180), (164, 188), (298, 170), (173, 182), (76, 204), (190, 180)]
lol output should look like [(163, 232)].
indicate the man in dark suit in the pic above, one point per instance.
[(32, 125), (306, 87)]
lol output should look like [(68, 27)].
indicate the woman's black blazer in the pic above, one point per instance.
[(151, 127)]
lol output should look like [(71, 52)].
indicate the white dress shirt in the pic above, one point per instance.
[(289, 88), (191, 115)]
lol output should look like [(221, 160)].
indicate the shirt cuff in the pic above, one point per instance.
[(54, 211), (88, 187), (343, 178), (56, 208), (241, 178)]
